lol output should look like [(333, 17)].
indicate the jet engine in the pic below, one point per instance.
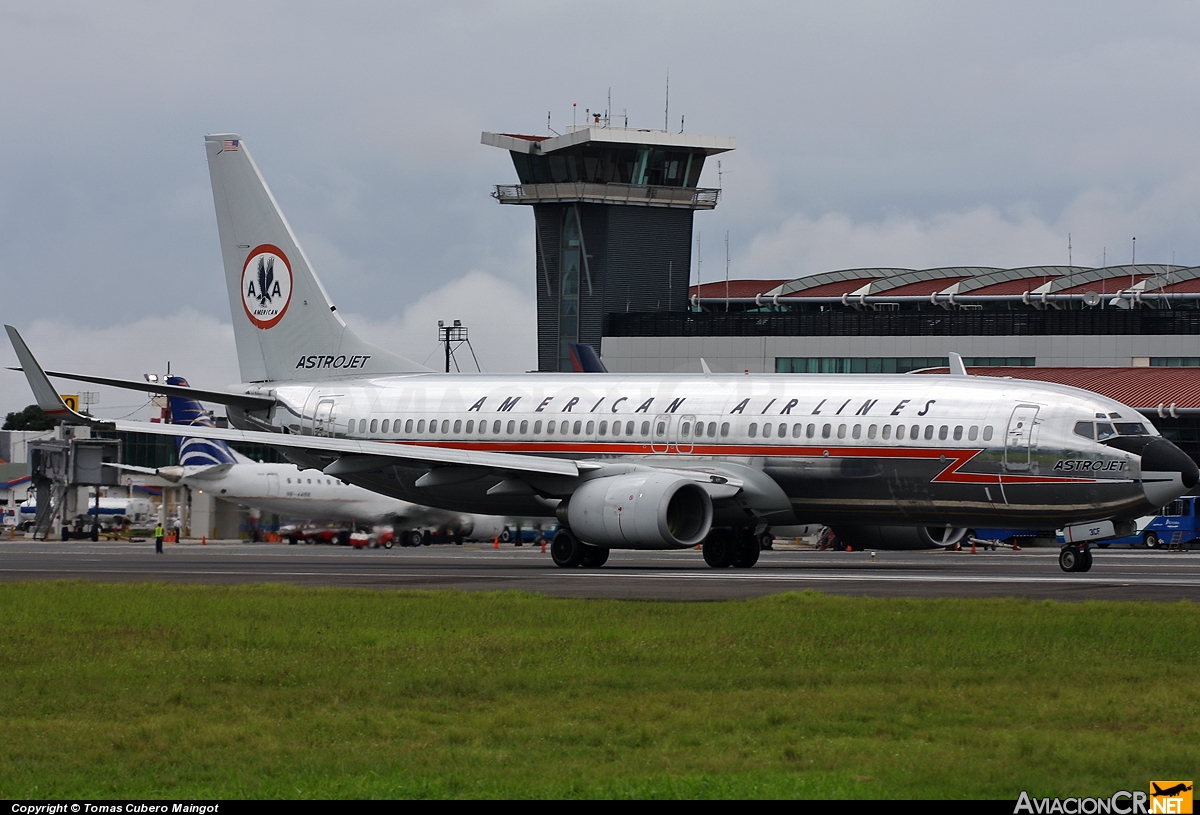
[(641, 510), (900, 537)]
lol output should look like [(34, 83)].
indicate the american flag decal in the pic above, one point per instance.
[(231, 145)]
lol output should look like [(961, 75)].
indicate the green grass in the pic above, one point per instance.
[(170, 690)]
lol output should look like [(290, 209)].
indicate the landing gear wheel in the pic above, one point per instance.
[(566, 550), (505, 536), (720, 548), (413, 538), (594, 557), (746, 550), (1072, 559), (387, 544), (1151, 540), (1085, 561)]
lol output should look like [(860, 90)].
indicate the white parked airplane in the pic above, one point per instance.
[(655, 461), (210, 464)]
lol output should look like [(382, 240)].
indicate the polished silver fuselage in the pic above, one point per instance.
[(876, 449)]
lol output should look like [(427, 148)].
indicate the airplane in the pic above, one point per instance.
[(654, 461), (1170, 792), (211, 464)]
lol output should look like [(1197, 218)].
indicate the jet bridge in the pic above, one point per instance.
[(64, 469)]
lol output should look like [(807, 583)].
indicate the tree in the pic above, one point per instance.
[(31, 418)]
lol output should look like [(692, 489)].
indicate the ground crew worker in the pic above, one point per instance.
[(158, 536), (178, 530)]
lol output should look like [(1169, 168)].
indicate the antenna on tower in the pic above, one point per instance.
[(667, 108), (608, 110), (719, 174), (1069, 249), (681, 124)]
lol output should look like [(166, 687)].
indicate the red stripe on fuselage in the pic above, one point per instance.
[(951, 474)]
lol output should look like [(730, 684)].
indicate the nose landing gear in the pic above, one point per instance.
[(1075, 559)]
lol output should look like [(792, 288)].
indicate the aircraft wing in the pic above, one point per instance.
[(249, 401)]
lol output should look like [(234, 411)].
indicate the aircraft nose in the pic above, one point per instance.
[(1167, 472)]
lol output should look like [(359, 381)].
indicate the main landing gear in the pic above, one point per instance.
[(1075, 559), (731, 547), (569, 552)]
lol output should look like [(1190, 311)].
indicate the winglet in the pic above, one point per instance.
[(45, 394), (956, 365)]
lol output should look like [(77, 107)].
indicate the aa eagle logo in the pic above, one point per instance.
[(266, 285)]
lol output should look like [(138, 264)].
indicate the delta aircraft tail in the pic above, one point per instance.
[(284, 324)]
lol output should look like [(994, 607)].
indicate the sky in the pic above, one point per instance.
[(899, 134)]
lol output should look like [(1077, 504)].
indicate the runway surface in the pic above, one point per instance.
[(1116, 575)]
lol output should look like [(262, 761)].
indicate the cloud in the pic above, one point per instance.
[(501, 319), (199, 347)]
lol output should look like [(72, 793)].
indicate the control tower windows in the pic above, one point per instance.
[(568, 302)]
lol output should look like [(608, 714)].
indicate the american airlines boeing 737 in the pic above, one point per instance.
[(655, 461)]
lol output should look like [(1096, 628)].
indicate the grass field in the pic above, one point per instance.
[(170, 690)]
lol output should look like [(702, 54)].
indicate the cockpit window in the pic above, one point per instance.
[(1104, 430), (1085, 429), (1132, 429)]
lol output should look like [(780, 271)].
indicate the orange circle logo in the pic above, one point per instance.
[(266, 285)]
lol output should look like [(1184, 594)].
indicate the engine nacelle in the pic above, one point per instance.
[(899, 537), (648, 510)]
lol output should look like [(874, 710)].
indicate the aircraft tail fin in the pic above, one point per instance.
[(194, 452), (585, 360), (284, 324)]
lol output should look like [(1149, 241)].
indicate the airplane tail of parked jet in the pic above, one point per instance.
[(284, 323), (195, 452)]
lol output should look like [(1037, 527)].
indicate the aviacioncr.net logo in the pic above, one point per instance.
[(266, 285)]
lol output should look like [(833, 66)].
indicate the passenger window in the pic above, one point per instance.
[(724, 429), (973, 433), (857, 431), (374, 425), (987, 433), (753, 429), (384, 427), (958, 432), (685, 429), (564, 427), (797, 431), (616, 428), (421, 426), (1104, 430), (603, 428), (871, 431), (512, 426), (483, 427), (470, 425), (577, 428), (826, 431), (887, 431), (289, 481), (550, 428), (712, 430), (660, 429), (899, 432), (782, 430), (408, 426), (928, 432), (943, 432), (812, 431), (645, 429), (457, 426), (841, 431), (766, 430), (496, 428), (591, 426), (445, 427), (537, 427)]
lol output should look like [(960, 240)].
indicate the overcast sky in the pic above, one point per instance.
[(898, 134)]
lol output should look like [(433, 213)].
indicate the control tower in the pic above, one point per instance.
[(613, 211)]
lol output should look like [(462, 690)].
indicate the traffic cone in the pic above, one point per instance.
[(204, 540), (972, 546), (1016, 546), (543, 546), (495, 543)]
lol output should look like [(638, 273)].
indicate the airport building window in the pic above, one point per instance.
[(857, 365), (1175, 362)]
